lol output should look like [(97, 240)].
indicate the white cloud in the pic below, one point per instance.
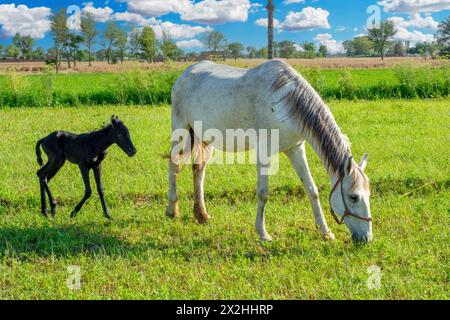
[(175, 31), (414, 6), (415, 21), (34, 22), (156, 8), (178, 31), (99, 14), (133, 18), (308, 18), (263, 22), (333, 46), (217, 12), (190, 44), (206, 11), (287, 2), (414, 36)]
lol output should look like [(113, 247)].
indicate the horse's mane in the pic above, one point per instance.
[(301, 102)]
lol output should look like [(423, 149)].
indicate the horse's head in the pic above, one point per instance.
[(122, 136), (349, 200)]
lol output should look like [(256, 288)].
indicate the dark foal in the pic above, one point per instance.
[(87, 151)]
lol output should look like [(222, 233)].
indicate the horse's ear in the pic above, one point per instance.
[(113, 121), (348, 166), (363, 162)]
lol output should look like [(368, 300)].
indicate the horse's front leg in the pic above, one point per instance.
[(262, 192), (297, 156), (87, 193), (98, 181)]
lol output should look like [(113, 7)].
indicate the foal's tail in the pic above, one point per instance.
[(38, 152)]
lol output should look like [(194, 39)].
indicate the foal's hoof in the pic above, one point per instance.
[(73, 214), (44, 213)]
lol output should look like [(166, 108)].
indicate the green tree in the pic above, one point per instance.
[(121, 44), (236, 49), (251, 52), (399, 49), (12, 51), (135, 45), (168, 47), (1, 50), (60, 33), (323, 50), (110, 35), (148, 43), (89, 32), (381, 36), (39, 53), (215, 41), (443, 35), (72, 47), (286, 49), (24, 44)]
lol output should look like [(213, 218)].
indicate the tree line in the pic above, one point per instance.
[(117, 45)]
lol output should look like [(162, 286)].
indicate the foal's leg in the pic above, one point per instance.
[(198, 169), (297, 156), (56, 166), (98, 181), (262, 192), (87, 193), (41, 173)]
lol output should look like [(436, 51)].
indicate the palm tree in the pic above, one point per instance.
[(443, 34), (270, 10)]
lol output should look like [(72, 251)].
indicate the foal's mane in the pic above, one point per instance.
[(303, 104)]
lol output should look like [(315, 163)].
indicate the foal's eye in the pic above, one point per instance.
[(353, 197)]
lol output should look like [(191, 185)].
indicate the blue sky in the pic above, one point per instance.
[(328, 22)]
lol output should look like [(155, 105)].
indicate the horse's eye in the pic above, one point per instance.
[(353, 197)]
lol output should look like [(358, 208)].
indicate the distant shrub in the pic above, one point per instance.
[(347, 86)]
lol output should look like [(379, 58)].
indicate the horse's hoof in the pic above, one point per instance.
[(329, 236), (73, 214), (202, 219), (266, 238), (172, 211)]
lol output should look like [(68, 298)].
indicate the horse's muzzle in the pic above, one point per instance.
[(132, 153), (361, 238)]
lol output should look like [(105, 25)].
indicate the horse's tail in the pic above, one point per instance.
[(38, 152), (189, 149)]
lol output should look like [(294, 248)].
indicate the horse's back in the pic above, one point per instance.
[(228, 95)]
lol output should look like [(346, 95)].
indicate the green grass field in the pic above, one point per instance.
[(137, 87), (142, 254)]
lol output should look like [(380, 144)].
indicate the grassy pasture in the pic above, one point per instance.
[(139, 86), (141, 254)]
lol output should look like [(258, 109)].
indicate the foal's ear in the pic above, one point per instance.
[(114, 121), (348, 166), (363, 162)]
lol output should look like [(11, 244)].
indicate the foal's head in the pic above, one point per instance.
[(349, 200), (121, 136)]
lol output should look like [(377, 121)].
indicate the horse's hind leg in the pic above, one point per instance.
[(297, 156), (41, 175), (52, 171), (204, 154)]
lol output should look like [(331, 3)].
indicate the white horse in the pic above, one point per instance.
[(270, 96)]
